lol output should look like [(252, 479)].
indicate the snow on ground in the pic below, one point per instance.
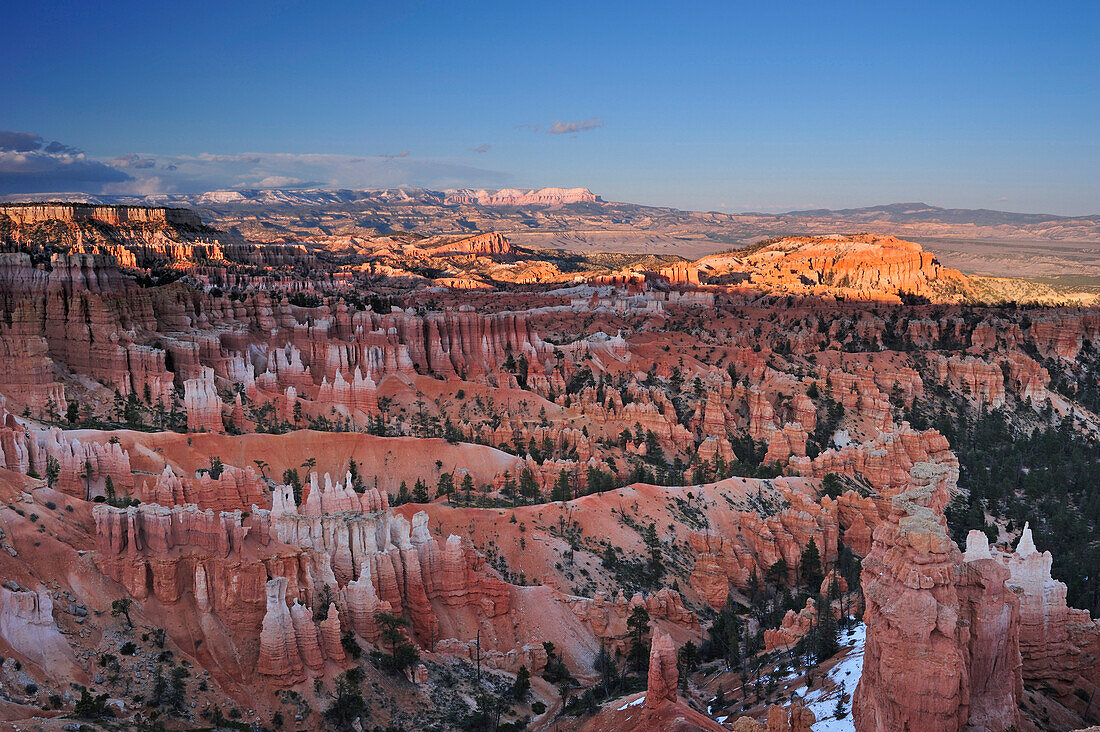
[(636, 702), (845, 675)]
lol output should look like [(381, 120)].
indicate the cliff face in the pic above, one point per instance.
[(29, 214), (27, 626), (942, 634), (862, 267), (513, 197), (1059, 644)]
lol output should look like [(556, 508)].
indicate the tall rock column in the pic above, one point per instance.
[(202, 403), (942, 648), (914, 670), (1060, 645), (664, 674), (992, 612), (279, 655)]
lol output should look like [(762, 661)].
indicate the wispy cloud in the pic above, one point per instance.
[(483, 148), (571, 128), (402, 154)]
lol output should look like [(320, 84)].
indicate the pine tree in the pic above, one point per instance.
[(528, 486), (638, 626), (446, 485), (561, 491), (522, 685), (810, 567)]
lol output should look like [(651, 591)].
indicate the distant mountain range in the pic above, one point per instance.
[(905, 213)]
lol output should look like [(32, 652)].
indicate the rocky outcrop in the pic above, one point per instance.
[(607, 616), (794, 627), (200, 563), (1060, 645), (29, 214), (942, 646), (233, 490), (482, 244), (862, 267), (331, 646), (358, 394), (982, 382), (724, 561), (664, 673), (886, 462), (203, 405), (795, 718), (280, 658), (27, 627)]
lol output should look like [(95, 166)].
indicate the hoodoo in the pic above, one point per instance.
[(430, 478)]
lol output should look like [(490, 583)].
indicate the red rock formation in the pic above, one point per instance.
[(360, 393), (482, 244), (84, 467), (942, 635), (983, 382), (27, 627), (233, 490), (305, 632), (681, 273), (280, 658), (1060, 645), (174, 554), (886, 462), (203, 405), (331, 646), (30, 214), (664, 673), (795, 718), (725, 561), (794, 627), (861, 267)]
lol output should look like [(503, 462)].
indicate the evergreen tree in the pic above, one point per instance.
[(810, 567), (403, 495), (446, 485), (777, 573), (637, 626), (528, 486), (521, 687), (562, 490), (827, 633)]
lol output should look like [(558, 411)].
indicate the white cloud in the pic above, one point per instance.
[(569, 128)]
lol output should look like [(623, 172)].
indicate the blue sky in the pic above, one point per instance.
[(731, 106)]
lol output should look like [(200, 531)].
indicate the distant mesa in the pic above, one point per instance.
[(28, 214), (516, 197)]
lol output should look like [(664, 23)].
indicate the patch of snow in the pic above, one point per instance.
[(636, 702), (842, 439), (845, 675)]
